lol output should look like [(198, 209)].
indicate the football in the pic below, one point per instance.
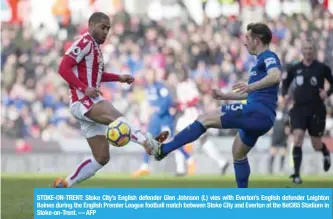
[(118, 133)]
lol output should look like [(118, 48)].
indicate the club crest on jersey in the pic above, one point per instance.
[(76, 51), (269, 61)]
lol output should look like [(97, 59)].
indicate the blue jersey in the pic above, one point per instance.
[(159, 97), (269, 95), (257, 117)]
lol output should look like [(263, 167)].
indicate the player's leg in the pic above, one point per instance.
[(316, 131), (94, 134), (320, 146), (299, 124), (282, 153), (191, 133), (228, 116), (212, 152), (240, 148), (273, 151), (103, 112)]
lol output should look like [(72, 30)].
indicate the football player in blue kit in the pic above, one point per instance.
[(253, 119), (161, 119)]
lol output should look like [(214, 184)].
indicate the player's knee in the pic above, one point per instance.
[(238, 154), (209, 121), (102, 159)]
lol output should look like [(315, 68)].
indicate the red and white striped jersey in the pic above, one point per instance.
[(89, 66)]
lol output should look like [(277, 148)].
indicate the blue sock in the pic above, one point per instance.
[(242, 172), (145, 158), (186, 155), (187, 135)]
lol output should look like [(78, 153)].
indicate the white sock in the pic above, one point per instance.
[(210, 149), (180, 162), (85, 170), (144, 166), (137, 135)]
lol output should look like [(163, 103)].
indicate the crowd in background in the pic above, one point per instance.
[(35, 99)]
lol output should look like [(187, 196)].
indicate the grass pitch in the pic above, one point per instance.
[(17, 190)]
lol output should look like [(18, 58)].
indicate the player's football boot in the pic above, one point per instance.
[(153, 143), (296, 179), (327, 162), (158, 153), (60, 183)]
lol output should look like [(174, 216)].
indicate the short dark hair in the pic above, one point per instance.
[(97, 17), (261, 31)]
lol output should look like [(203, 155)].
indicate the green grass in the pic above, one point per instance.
[(17, 190)]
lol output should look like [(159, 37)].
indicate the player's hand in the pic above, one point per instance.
[(92, 92), (322, 94), (126, 79), (218, 95), (241, 88)]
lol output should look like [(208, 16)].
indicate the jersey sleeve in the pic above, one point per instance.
[(287, 78), (329, 78), (79, 49), (271, 61)]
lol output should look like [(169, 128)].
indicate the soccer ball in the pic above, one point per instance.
[(118, 133)]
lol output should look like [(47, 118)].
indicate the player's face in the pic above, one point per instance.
[(250, 43), (100, 30), (308, 51)]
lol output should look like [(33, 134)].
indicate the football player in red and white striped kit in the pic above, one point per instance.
[(82, 67)]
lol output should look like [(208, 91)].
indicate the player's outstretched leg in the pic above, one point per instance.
[(190, 133), (88, 167)]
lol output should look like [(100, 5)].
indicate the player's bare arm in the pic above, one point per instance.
[(272, 78), (219, 95)]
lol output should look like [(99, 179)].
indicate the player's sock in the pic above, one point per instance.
[(297, 156), (271, 163), (325, 150), (210, 149), (137, 135), (85, 170), (145, 158), (187, 135), (185, 154), (283, 158), (242, 172)]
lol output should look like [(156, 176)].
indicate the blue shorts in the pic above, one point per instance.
[(252, 120)]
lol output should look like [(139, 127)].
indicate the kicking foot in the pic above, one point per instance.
[(296, 179), (60, 183), (152, 144), (327, 162)]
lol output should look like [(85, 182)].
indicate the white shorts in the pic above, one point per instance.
[(89, 127)]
